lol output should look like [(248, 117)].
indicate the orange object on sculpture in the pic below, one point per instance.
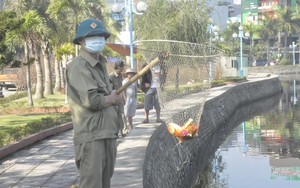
[(185, 132)]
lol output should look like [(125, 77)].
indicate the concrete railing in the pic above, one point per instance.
[(288, 69)]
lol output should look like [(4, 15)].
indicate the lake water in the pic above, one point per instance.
[(262, 150)]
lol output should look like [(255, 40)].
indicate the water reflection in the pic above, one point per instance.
[(261, 151), (210, 175)]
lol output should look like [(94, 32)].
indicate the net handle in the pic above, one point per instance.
[(142, 72)]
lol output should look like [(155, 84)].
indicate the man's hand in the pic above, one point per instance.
[(113, 98), (147, 85), (116, 98)]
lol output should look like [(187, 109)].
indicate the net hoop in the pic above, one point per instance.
[(182, 81)]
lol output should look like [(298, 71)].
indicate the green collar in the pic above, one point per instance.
[(93, 62)]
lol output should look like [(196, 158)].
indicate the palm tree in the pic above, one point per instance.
[(79, 10), (268, 30), (34, 46), (48, 75), (45, 35), (57, 56), (251, 29), (32, 9), (44, 44), (57, 20), (296, 23), (232, 27), (64, 51), (67, 14), (62, 8), (27, 34), (286, 22), (8, 22)]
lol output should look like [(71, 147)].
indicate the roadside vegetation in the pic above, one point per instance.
[(19, 100), (24, 121), (15, 127), (21, 123), (228, 80)]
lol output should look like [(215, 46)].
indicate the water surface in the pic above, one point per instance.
[(261, 151)]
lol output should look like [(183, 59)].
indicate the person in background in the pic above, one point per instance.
[(94, 106), (131, 97), (116, 78), (151, 98)]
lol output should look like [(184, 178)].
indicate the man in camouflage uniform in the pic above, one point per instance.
[(94, 107), (116, 78)]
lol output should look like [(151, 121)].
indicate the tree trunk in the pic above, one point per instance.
[(232, 51), (177, 78), (285, 44), (268, 53), (279, 40), (62, 71), (299, 48), (30, 101), (47, 66), (62, 76), (251, 52), (57, 86), (39, 93)]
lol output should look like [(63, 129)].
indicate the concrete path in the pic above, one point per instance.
[(50, 163)]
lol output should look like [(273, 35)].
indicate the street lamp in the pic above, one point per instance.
[(245, 145), (241, 36), (295, 98), (212, 29), (293, 47), (141, 7)]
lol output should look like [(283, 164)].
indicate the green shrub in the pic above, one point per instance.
[(3, 139), (228, 79), (15, 96), (140, 97), (234, 78), (285, 62), (215, 82), (18, 132)]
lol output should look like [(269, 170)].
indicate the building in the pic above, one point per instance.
[(253, 10)]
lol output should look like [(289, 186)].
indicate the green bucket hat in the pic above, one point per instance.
[(90, 27)]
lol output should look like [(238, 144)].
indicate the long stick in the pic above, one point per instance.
[(141, 73)]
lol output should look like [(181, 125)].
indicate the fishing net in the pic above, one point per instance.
[(181, 74)]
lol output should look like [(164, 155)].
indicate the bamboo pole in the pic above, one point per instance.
[(143, 71)]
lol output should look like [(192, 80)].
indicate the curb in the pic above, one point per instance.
[(11, 148)]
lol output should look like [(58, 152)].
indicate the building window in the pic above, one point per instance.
[(268, 3)]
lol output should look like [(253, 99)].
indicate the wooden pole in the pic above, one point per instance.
[(142, 72)]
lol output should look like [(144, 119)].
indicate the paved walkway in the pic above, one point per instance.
[(50, 163)]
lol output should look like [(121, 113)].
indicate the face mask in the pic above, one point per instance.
[(95, 44)]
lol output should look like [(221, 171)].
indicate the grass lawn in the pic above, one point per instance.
[(13, 120), (10, 120), (55, 100)]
